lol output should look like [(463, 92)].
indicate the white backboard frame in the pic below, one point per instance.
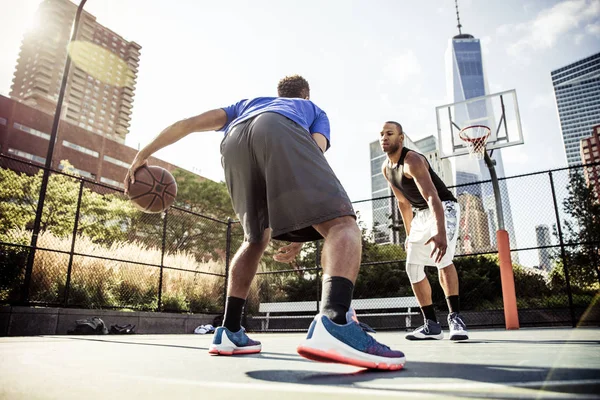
[(500, 111)]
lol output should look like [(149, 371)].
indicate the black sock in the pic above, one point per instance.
[(336, 298), (453, 303), (233, 313), (429, 312)]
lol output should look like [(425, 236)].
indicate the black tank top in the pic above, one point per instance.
[(408, 187)]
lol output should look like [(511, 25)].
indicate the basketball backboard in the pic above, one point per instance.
[(498, 111)]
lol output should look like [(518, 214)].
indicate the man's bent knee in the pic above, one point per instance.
[(415, 272), (443, 268), (259, 243), (346, 223)]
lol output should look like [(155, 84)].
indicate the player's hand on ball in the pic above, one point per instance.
[(439, 245), (130, 176), (287, 254)]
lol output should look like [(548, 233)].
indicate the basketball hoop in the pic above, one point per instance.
[(475, 137)]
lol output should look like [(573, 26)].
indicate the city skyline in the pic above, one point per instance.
[(361, 76), (377, 74)]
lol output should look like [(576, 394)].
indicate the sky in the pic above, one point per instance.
[(367, 61)]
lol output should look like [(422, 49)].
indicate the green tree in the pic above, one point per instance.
[(103, 217), (584, 227), (185, 230)]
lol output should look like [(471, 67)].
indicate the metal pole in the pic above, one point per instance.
[(499, 213), (40, 206), (162, 260), (563, 253), (75, 227), (507, 278), (227, 261)]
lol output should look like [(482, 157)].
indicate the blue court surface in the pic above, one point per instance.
[(494, 364)]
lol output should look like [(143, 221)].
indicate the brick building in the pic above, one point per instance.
[(590, 153), (102, 78), (25, 133)]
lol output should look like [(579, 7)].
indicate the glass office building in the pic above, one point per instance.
[(577, 93)]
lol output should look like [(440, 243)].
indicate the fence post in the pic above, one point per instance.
[(48, 166), (562, 251), (227, 261), (162, 259), (75, 227)]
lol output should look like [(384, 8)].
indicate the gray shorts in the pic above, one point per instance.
[(278, 178)]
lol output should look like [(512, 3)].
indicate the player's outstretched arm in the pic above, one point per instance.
[(208, 121)]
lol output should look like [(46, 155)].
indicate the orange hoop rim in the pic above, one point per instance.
[(483, 138)]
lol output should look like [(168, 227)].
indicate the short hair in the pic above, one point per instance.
[(397, 125), (293, 86)]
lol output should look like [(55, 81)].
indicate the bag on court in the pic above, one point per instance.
[(122, 329), (89, 326)]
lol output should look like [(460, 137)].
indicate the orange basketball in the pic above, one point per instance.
[(154, 189)]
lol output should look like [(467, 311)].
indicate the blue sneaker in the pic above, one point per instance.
[(348, 344), (430, 330), (227, 343)]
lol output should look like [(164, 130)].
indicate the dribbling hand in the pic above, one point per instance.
[(130, 176)]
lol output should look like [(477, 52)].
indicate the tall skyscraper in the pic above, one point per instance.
[(577, 93), (101, 82), (542, 233), (465, 80)]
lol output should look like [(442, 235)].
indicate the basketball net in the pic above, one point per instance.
[(475, 138)]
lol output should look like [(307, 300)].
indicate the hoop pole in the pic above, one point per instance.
[(511, 315), (499, 212)]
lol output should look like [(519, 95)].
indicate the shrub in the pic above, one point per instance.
[(102, 282)]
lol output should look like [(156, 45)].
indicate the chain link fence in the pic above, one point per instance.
[(95, 250)]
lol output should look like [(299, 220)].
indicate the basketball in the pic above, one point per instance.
[(154, 189)]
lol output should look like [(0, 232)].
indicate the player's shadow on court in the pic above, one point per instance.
[(564, 380)]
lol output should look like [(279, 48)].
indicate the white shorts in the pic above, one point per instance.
[(423, 227)]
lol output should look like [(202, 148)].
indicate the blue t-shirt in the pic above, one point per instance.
[(304, 112)]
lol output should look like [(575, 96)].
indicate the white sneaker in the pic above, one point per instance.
[(430, 330), (458, 329)]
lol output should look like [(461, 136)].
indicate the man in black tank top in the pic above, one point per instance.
[(431, 217)]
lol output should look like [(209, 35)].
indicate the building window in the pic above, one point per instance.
[(81, 149), (31, 131), (112, 182), (116, 162), (79, 172), (2, 121), (37, 159)]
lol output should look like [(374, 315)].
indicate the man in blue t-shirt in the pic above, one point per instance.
[(282, 187)]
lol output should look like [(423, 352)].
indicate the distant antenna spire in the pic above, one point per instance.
[(458, 18)]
